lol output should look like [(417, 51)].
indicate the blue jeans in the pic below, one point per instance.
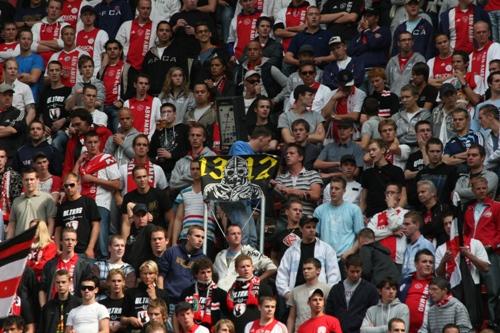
[(239, 213), (224, 15), (112, 113), (59, 141), (495, 24), (103, 232)]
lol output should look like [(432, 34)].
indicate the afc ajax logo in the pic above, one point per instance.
[(74, 10), (49, 29), (418, 285), (91, 41), (140, 32), (67, 58), (448, 68), (247, 21), (140, 107)]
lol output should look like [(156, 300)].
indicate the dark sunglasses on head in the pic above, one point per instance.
[(69, 185), (89, 288)]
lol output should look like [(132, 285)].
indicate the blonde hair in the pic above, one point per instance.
[(42, 235), (226, 322), (150, 266), (168, 87)]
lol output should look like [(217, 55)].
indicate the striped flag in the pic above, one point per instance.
[(13, 257)]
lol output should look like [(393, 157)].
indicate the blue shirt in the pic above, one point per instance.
[(411, 251), (318, 40), (241, 148), (339, 225), (459, 144), (26, 65)]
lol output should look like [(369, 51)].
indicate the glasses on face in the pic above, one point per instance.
[(70, 185), (307, 73), (85, 288)]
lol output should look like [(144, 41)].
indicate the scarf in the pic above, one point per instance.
[(203, 311), (5, 200), (444, 301), (92, 167), (258, 328), (453, 246), (238, 300)]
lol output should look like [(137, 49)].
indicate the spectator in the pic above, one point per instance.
[(388, 309), (342, 17), (348, 170), (412, 224), (267, 308), (87, 77), (204, 112), (349, 299), (442, 114), (23, 97), (114, 300), (30, 63), (469, 86), (318, 319), (176, 91), (185, 317), (116, 249), (446, 309), (138, 248), (372, 41), (120, 145), (289, 21), (284, 239), (137, 35), (488, 117), (271, 48), (43, 248), (91, 39), (388, 101), (144, 107), (484, 51), (494, 89), (80, 213), (219, 78), (300, 133), (30, 12), (32, 204), (224, 264), (427, 93), (292, 264), (159, 241), (475, 163), (397, 325), (342, 62), (432, 210), (260, 117), (440, 66), (111, 14), (299, 311), (157, 313), (372, 201), (242, 28), (10, 184), (396, 154), (398, 69), (388, 224), (369, 129), (86, 317), (48, 183), (11, 120), (55, 312), (89, 93), (414, 289)]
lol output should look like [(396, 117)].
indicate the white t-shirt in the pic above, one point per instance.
[(352, 193), (22, 95), (99, 118), (103, 196), (85, 318)]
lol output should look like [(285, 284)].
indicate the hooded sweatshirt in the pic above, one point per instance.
[(453, 311), (378, 264), (377, 317)]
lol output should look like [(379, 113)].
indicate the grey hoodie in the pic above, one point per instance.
[(377, 317)]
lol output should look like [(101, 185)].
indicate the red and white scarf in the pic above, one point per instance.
[(234, 298), (258, 328), (5, 200), (92, 167)]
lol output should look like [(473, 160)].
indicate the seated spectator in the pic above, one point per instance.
[(176, 91), (348, 169), (388, 224), (87, 77), (328, 161), (318, 319), (342, 62), (157, 314), (369, 129), (243, 295), (398, 69), (23, 97), (113, 301), (469, 86), (307, 73), (350, 307), (371, 43), (252, 86), (219, 78), (210, 308), (442, 119), (412, 224), (451, 312), (440, 66), (224, 264), (427, 93), (377, 262), (421, 30), (292, 264), (374, 180), (267, 308), (303, 102), (389, 307), (409, 115), (116, 248), (300, 133), (120, 144), (388, 101), (12, 119), (134, 314), (90, 314), (43, 248)]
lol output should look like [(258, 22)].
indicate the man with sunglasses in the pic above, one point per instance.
[(80, 213), (91, 316)]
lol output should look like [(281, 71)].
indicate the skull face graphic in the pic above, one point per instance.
[(236, 172)]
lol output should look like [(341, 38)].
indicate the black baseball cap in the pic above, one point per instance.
[(139, 208), (308, 219)]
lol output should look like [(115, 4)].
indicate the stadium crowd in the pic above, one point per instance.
[(383, 116)]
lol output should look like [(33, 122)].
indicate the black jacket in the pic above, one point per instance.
[(377, 263), (351, 317), (51, 313)]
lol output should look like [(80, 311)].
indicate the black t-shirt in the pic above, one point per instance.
[(175, 140), (375, 180), (137, 299), (346, 31), (388, 103), (306, 251), (51, 106), (444, 178), (28, 13), (12, 117), (157, 201), (429, 94), (115, 308), (415, 162), (284, 239), (189, 43), (78, 214)]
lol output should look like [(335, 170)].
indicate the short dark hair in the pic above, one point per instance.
[(260, 131), (314, 261), (411, 88), (387, 281), (167, 23), (440, 283), (201, 264), (339, 179), (88, 86), (366, 233), (422, 122), (28, 171), (421, 68), (480, 149), (140, 136), (354, 260), (169, 105), (490, 77), (84, 59), (143, 75), (83, 114), (433, 141), (92, 278), (91, 134), (303, 122), (371, 106), (264, 18), (113, 41), (301, 90), (300, 149), (423, 252), (450, 325), (395, 320), (17, 321), (490, 109), (415, 216), (463, 54), (54, 62)]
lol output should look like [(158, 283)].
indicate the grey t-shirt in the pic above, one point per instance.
[(313, 118), (370, 127), (299, 297)]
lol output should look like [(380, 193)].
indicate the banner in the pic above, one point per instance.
[(13, 257), (235, 178)]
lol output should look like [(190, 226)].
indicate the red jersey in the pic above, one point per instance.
[(69, 61), (321, 324), (417, 297), (464, 23), (49, 31), (85, 40), (139, 43), (442, 68), (70, 11), (294, 17), (479, 60), (4, 47), (142, 112), (245, 30), (111, 81)]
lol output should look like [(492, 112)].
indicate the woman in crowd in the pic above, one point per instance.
[(176, 91), (43, 248), (220, 80)]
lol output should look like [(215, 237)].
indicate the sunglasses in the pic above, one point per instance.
[(89, 288), (308, 73), (71, 185)]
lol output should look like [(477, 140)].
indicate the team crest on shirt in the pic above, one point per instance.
[(321, 329), (418, 285), (67, 58), (140, 107), (49, 29), (239, 309), (247, 21), (448, 68), (74, 10), (91, 40), (487, 213), (111, 72), (140, 32)]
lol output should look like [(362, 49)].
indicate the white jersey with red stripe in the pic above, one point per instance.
[(93, 43), (138, 110), (383, 225), (37, 28), (123, 36), (493, 53), (69, 60), (440, 68), (9, 50)]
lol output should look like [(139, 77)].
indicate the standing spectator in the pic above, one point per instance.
[(87, 77), (414, 289), (445, 310), (349, 299), (289, 21), (89, 101), (440, 66), (144, 107), (299, 310), (137, 35), (267, 308), (489, 121), (342, 17), (116, 248), (319, 320), (219, 78), (23, 97), (90, 315), (30, 63), (80, 213), (300, 133), (120, 144), (470, 86), (114, 299), (242, 29), (389, 307), (11, 120), (388, 102), (55, 312), (348, 170), (271, 48), (398, 69), (48, 183), (284, 239), (32, 204), (442, 119), (111, 14), (91, 39), (484, 51), (396, 153), (456, 23), (29, 12), (412, 223)]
